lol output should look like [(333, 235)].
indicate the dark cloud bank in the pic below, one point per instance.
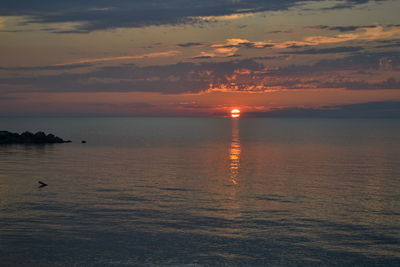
[(188, 77), (384, 109), (106, 14), (170, 79)]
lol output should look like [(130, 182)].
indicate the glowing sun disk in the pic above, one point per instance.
[(235, 113)]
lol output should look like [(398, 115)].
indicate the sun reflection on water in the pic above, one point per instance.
[(234, 152)]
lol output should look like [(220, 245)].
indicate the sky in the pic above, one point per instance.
[(200, 57)]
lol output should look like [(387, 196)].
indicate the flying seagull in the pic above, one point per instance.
[(42, 184)]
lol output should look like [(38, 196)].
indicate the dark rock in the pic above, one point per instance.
[(83, 142), (29, 138)]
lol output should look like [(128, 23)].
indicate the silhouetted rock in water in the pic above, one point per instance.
[(83, 142), (42, 184), (29, 138)]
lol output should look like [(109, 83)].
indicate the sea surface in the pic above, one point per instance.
[(202, 192)]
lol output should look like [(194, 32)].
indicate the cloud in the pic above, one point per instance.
[(190, 44), (93, 15), (203, 56), (393, 44), (314, 51), (366, 34), (226, 17), (237, 43), (229, 48), (131, 105), (218, 52), (358, 71), (390, 83), (354, 62), (168, 79), (338, 28), (8, 98), (347, 4), (88, 62), (191, 105), (47, 67), (2, 23), (381, 109), (281, 31), (104, 59)]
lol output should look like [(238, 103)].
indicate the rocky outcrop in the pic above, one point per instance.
[(29, 138)]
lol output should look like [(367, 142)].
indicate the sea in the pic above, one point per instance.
[(202, 192)]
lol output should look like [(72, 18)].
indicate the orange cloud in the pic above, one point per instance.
[(371, 33), (376, 33), (218, 52), (242, 42), (226, 17), (2, 22)]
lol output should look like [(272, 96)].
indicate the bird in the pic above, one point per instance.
[(42, 184)]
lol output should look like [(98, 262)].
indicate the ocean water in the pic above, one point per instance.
[(202, 192)]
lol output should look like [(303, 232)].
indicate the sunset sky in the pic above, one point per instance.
[(200, 57)]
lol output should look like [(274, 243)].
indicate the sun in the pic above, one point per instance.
[(235, 113)]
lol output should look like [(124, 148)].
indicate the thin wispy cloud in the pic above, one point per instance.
[(238, 42), (190, 44), (331, 50), (105, 59), (367, 34), (226, 17), (338, 28), (46, 67)]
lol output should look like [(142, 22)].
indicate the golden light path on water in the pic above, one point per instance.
[(234, 151)]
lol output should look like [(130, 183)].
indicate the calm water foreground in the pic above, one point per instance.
[(202, 192)]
